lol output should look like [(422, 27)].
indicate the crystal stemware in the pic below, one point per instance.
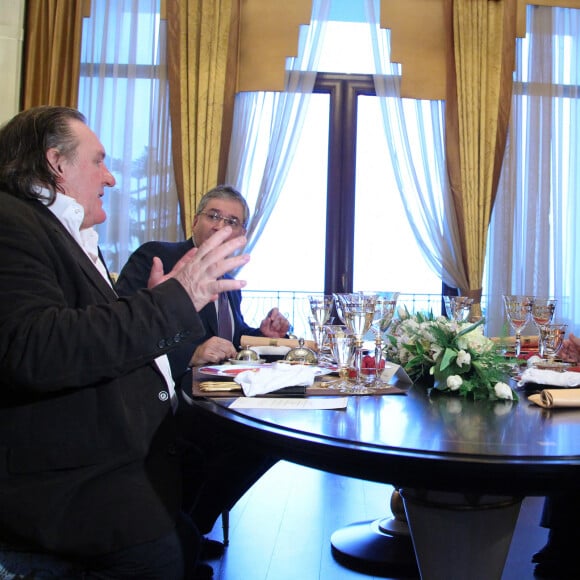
[(552, 336), (457, 307), (341, 345), (542, 314), (319, 334), (321, 307), (517, 309), (385, 306), (357, 311)]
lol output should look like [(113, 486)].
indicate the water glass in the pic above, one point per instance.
[(552, 336), (320, 307), (341, 342), (517, 310), (357, 311), (542, 311), (457, 307)]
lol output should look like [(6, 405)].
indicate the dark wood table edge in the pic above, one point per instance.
[(401, 468)]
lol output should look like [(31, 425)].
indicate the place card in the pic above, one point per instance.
[(287, 404)]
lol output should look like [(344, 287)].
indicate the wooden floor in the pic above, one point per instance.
[(280, 530)]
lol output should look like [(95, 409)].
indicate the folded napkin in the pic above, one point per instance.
[(550, 398), (267, 379), (272, 350), (252, 341), (548, 377)]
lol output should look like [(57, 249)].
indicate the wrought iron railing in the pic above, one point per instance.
[(294, 305)]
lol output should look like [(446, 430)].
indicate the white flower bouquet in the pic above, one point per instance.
[(456, 354)]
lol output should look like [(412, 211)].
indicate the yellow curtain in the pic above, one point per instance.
[(52, 49), (201, 57), (481, 55)]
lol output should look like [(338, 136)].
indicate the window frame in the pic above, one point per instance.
[(343, 90)]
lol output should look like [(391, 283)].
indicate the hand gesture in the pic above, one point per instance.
[(275, 325), (200, 271)]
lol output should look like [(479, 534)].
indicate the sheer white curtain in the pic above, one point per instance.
[(123, 92), (415, 135), (267, 127), (534, 234)]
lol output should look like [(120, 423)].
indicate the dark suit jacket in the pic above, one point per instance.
[(87, 444), (135, 275)]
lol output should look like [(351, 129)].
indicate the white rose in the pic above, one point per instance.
[(454, 382), (463, 358), (503, 391)]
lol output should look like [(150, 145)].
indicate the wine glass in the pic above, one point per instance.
[(385, 306), (542, 314), (552, 337), (517, 309), (321, 307), (320, 337), (457, 307), (357, 311), (341, 344)]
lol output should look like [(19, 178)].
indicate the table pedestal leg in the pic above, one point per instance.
[(460, 535), (381, 547)]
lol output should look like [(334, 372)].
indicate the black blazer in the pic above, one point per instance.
[(88, 463), (135, 274)]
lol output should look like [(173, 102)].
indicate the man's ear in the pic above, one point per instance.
[(53, 157)]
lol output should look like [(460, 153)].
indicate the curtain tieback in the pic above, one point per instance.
[(474, 294)]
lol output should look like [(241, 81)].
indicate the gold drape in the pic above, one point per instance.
[(201, 57), (52, 49), (481, 56)]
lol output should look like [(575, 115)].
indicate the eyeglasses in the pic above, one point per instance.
[(216, 216)]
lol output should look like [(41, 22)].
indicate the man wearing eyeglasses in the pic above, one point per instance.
[(217, 470), (220, 206)]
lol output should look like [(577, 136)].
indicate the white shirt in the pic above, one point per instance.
[(71, 215)]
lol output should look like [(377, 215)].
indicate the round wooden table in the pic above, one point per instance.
[(462, 467)]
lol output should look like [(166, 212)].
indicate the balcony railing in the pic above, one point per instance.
[(294, 305)]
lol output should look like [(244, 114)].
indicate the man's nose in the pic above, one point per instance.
[(109, 178)]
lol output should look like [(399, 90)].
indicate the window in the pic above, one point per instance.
[(124, 95), (533, 238), (340, 224)]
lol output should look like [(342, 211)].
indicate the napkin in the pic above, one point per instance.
[(252, 341), (271, 350), (267, 379), (550, 398), (548, 377)]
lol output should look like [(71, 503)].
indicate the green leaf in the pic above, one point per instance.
[(448, 357), (470, 328)]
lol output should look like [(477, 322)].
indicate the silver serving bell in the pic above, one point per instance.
[(301, 354), (246, 353)]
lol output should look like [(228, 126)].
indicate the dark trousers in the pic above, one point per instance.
[(217, 468), (171, 557), (561, 511)]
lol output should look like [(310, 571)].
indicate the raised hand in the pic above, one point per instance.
[(200, 271), (275, 325)]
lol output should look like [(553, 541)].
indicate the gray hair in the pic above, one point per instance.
[(225, 192)]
